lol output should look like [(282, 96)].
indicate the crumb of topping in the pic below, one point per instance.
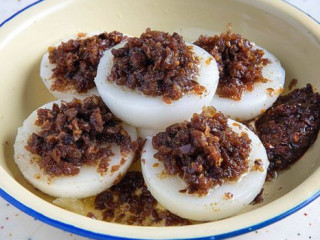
[(81, 35), (137, 156), (270, 91), (258, 165), (236, 124), (163, 175), (293, 82), (155, 165), (37, 176), (279, 91), (123, 161), (208, 61), (258, 199), (91, 215), (118, 179), (115, 168), (183, 190), (124, 153), (227, 196)]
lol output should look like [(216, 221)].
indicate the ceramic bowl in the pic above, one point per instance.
[(285, 31)]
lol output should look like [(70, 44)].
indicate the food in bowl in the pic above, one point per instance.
[(68, 69), (156, 80), (205, 169), (190, 73), (250, 78), (130, 202), (290, 127), (74, 149)]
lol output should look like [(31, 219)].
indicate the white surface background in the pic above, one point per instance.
[(302, 225)]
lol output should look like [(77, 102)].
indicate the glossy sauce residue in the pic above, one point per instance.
[(289, 127)]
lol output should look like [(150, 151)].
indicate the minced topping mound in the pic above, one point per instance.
[(130, 202), (240, 65), (77, 133), (203, 152), (76, 61), (289, 127), (156, 64)]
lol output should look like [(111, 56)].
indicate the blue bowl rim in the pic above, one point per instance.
[(99, 236)]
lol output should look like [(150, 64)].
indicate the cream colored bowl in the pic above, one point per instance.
[(286, 32)]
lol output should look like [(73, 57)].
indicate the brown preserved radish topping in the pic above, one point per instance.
[(156, 64), (130, 202), (76, 61), (77, 133), (203, 152), (258, 199), (240, 65), (289, 127)]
